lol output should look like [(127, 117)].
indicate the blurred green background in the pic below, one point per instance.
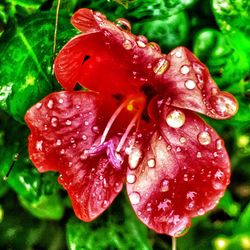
[(35, 213)]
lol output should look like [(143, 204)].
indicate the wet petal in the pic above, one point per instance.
[(64, 126), (189, 85), (111, 56), (178, 172)]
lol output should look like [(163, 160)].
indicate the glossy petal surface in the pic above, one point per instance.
[(94, 58), (178, 172), (189, 85), (64, 126)]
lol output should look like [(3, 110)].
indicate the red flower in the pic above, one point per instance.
[(135, 121)]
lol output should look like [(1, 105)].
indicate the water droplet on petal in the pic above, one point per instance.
[(50, 104), (141, 44), (84, 155), (84, 137), (134, 158), (45, 127), (54, 122), (72, 140), (127, 44), (60, 101), (224, 104), (182, 232), (134, 198), (201, 211), (178, 149), (185, 69), (95, 129), (62, 151), (58, 142), (86, 123), (154, 46), (39, 145), (118, 187), (105, 203), (131, 178), (190, 84), (169, 147), (178, 54), (68, 122), (183, 140), (164, 186), (219, 144), (204, 138), (161, 66), (175, 119), (39, 105), (123, 24), (198, 155), (151, 163)]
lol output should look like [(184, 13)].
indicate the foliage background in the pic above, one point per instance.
[(35, 212)]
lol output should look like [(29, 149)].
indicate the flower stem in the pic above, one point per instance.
[(174, 243), (56, 26)]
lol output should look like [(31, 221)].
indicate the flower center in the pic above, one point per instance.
[(135, 106)]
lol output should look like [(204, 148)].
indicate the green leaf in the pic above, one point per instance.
[(243, 225), (169, 32), (26, 53), (228, 205), (114, 230), (46, 207)]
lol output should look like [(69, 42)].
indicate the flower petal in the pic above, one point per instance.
[(63, 126), (189, 84), (178, 172)]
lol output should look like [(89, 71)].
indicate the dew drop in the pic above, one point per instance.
[(84, 137), (175, 119), (164, 186), (141, 44), (169, 147), (86, 123), (54, 122), (217, 185), (182, 232), (68, 122), (123, 24), (72, 140), (95, 129), (45, 127), (39, 105), (178, 54), (62, 151), (134, 158), (134, 198), (105, 203), (190, 84), (178, 149), (118, 187), (185, 177), (58, 142), (84, 155), (60, 100), (224, 105), (50, 104), (131, 178), (219, 144), (201, 211), (198, 155), (151, 163), (204, 138), (161, 66), (183, 140), (39, 145), (127, 44), (154, 46), (185, 69)]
